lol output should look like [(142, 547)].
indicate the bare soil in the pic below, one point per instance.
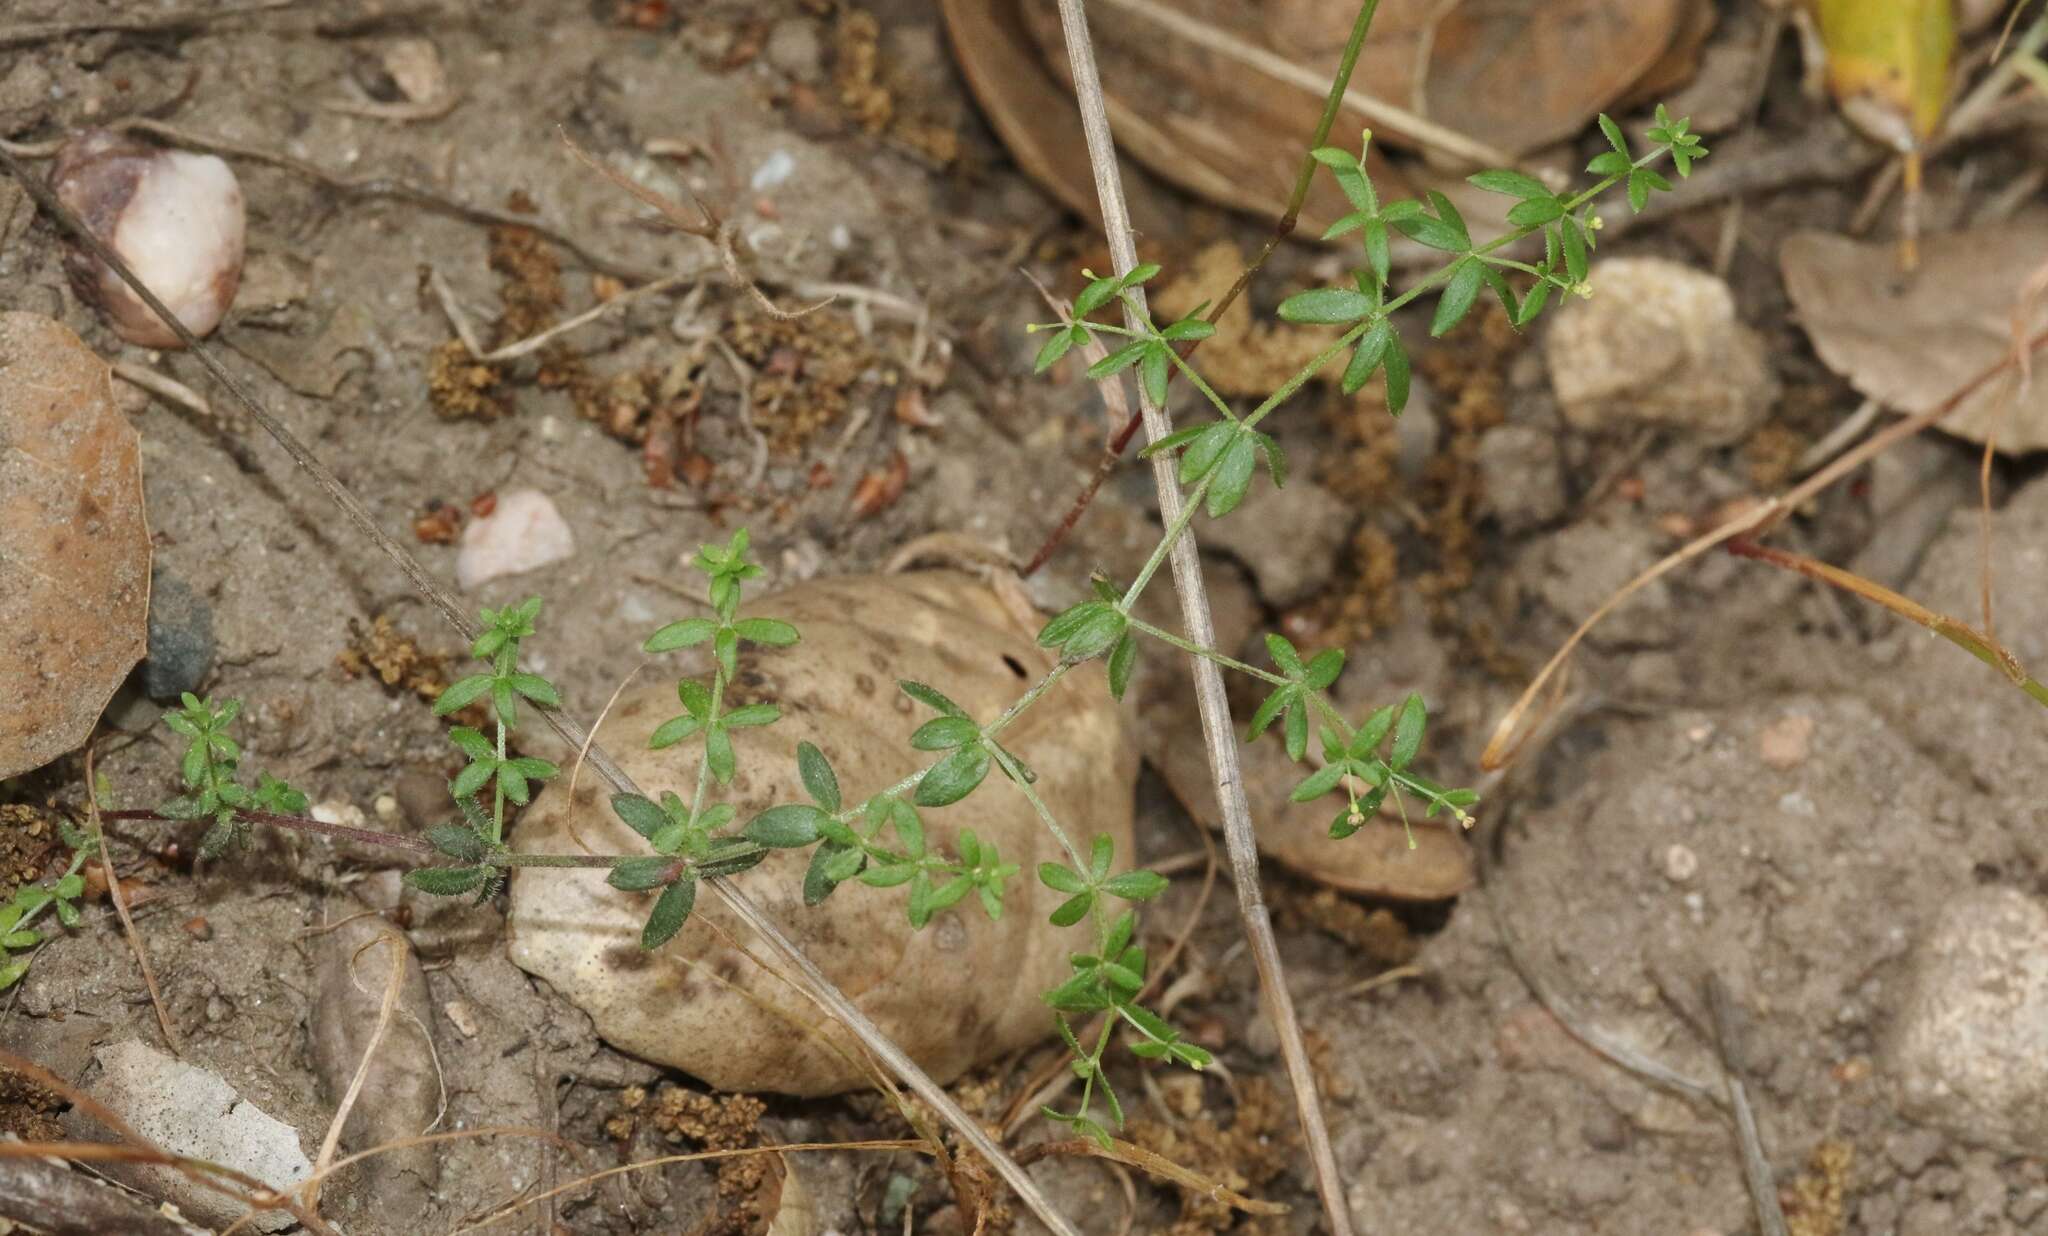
[(1747, 786)]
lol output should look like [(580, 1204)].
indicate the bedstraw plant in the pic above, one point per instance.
[(881, 839)]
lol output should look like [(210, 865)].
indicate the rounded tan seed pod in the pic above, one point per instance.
[(175, 217)]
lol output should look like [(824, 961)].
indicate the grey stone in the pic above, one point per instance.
[(1912, 1150), (795, 50), (181, 644), (1290, 539), (191, 1111), (1968, 1053), (1522, 475), (1577, 569), (1658, 343)]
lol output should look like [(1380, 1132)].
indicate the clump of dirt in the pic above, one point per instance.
[(29, 1110), (1816, 1202), (1245, 1156), (460, 387), (27, 837), (1772, 454), (858, 71), (1467, 372), (709, 1122), (1245, 358), (805, 371), (1375, 932), (395, 658)]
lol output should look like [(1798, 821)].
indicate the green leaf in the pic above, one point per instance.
[(908, 825), (533, 769), (11, 973), (1614, 135), (1396, 365), (1408, 732), (446, 881), (1173, 441), (730, 856), (1501, 291), (18, 940), (1609, 163), (687, 633), (183, 807), (1102, 625), (1101, 853), (1208, 447), (1153, 370), (673, 731), (1433, 232), (1121, 661), (844, 865), (1187, 329), (772, 632), (671, 911), (1574, 248), (820, 782), (1135, 885), (785, 827), (718, 754), (473, 778), (456, 842), (1061, 879), (1326, 306), (1370, 735), (638, 874), (751, 715), (1535, 212), (1457, 297), (1296, 733), (1319, 782), (1533, 303), (1510, 183), (726, 647), (1143, 272), (640, 814), (890, 876), (471, 743), (1118, 361), (1268, 710), (929, 697), (945, 733), (1378, 253), (69, 886), (1323, 669), (1233, 477), (1094, 297), (1059, 345), (1072, 910), (513, 782), (462, 693), (818, 884), (954, 777), (535, 688), (1334, 157), (695, 697), (1371, 350)]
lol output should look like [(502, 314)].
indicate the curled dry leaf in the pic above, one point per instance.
[(1518, 74), (962, 991), (1911, 340), (74, 547)]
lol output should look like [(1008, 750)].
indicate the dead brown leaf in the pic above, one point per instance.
[(74, 547), (1911, 339)]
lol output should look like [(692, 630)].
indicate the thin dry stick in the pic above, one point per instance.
[(162, 386), (1418, 128), (743, 907), (1218, 732), (1753, 523), (120, 900), (1153, 1165), (1756, 1170), (392, 986), (534, 343)]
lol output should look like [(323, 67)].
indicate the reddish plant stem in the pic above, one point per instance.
[(394, 841)]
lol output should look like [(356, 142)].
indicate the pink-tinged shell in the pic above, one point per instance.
[(175, 217)]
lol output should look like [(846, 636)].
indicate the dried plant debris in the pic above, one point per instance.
[(1245, 1156), (684, 1118), (393, 657), (28, 1110), (1816, 1202), (28, 837), (807, 371)]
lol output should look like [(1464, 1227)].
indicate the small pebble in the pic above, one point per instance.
[(774, 170), (1680, 863), (523, 532), (386, 808), (462, 1017), (181, 644), (1785, 742), (339, 811), (198, 928)]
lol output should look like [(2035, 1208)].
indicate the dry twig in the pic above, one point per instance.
[(1218, 733), (120, 900)]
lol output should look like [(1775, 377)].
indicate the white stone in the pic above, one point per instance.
[(191, 1111), (1658, 343), (523, 533), (1968, 1053)]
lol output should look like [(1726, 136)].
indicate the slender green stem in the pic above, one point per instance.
[(704, 764), (1332, 104), (1016, 775), (78, 858), (1208, 654)]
